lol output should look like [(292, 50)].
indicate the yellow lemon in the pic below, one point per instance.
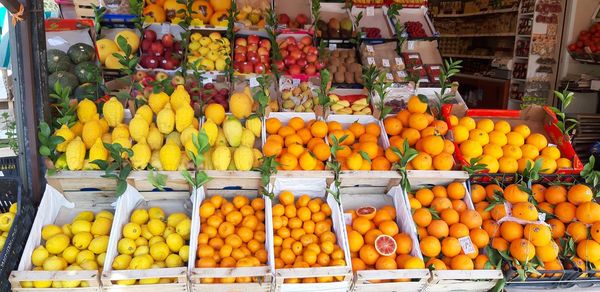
[(184, 253), (141, 250), (57, 243), (82, 240), (175, 242), (183, 228), (142, 262), (173, 261), (54, 263), (50, 230), (146, 232), (101, 226), (150, 281), (85, 216), (485, 125), (70, 254), (85, 255), (126, 246), (101, 258), (551, 152), (139, 216), (156, 227), (159, 251), (168, 231), (514, 138), (156, 213), (563, 163), (79, 226), (155, 239), (66, 229), (175, 218), (104, 214), (74, 283), (132, 230), (121, 262), (523, 130), (99, 244), (39, 255), (498, 138), (502, 127), (89, 265), (141, 241)]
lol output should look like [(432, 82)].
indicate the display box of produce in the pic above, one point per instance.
[(369, 3), (374, 25), (344, 59), (240, 83), (417, 23), (170, 11), (540, 125), (252, 54), (334, 23), (328, 235), (233, 270), (297, 95), (161, 48), (414, 66), (166, 216), (84, 8), (586, 48), (384, 57), (398, 98), (433, 71), (252, 15), (61, 250), (300, 56), (116, 9), (293, 16), (467, 241), (348, 101), (396, 229), (107, 45), (209, 15), (72, 58), (208, 52)]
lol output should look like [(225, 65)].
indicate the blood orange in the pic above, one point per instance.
[(367, 212), (385, 245)]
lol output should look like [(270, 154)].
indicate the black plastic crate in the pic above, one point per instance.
[(549, 279), (9, 166), (11, 192)]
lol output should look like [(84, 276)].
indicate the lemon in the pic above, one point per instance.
[(132, 230), (70, 254), (563, 163), (515, 138), (139, 216), (479, 136), (168, 231), (85, 216), (548, 164), (523, 130), (140, 263), (146, 232), (502, 127), (141, 250), (85, 255), (156, 227), (159, 251), (156, 213), (99, 244), (498, 138), (26, 284), (105, 214), (13, 208), (140, 241), (160, 264), (84, 284), (184, 253), (175, 218), (82, 240), (41, 284), (57, 243), (175, 242), (39, 255), (57, 284), (89, 265), (467, 122), (155, 239), (166, 281), (551, 152), (183, 228), (101, 226), (485, 125), (74, 283), (121, 262), (50, 230), (66, 229), (149, 281), (173, 261), (54, 263), (126, 246), (6, 221), (101, 258), (460, 133), (79, 226), (490, 162)]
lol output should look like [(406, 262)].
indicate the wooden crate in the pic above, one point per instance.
[(449, 280), (139, 179), (59, 208), (416, 279), (170, 202), (263, 273), (84, 9), (315, 188), (368, 182)]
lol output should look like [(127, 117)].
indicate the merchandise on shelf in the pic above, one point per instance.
[(501, 24), (300, 56), (345, 67), (384, 57), (208, 51), (161, 49), (252, 55)]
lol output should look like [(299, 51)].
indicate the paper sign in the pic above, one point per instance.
[(466, 244), (389, 76), (254, 82), (370, 11), (348, 218), (411, 45), (402, 74), (208, 80), (399, 61), (295, 82), (370, 49), (371, 60), (56, 41), (332, 47), (386, 62)]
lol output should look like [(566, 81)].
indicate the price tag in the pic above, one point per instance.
[(402, 74), (371, 60), (542, 216), (399, 61), (348, 218), (253, 82), (466, 244), (370, 49), (208, 80), (411, 45), (370, 11), (385, 62), (435, 67), (295, 82), (332, 47), (389, 76)]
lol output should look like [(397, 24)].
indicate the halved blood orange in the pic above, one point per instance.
[(367, 212), (385, 245)]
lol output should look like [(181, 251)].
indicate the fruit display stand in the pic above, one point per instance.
[(539, 120), (58, 208), (374, 19), (328, 12), (416, 279), (174, 182), (314, 188), (448, 280), (291, 15), (170, 202), (248, 187), (154, 55), (417, 15), (84, 8), (261, 6), (82, 183), (12, 193)]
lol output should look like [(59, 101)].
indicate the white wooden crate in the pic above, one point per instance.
[(264, 273), (452, 280), (315, 188), (418, 277), (170, 202), (57, 208)]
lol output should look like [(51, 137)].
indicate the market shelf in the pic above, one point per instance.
[(469, 56), (475, 35), (506, 10)]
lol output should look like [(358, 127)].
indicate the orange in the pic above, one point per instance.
[(290, 212), (370, 148), (537, 140), (321, 151), (513, 194), (343, 152), (415, 105), (492, 189), (411, 135), (491, 227), (422, 161), (392, 126), (307, 161), (422, 217), (459, 205), (296, 123), (414, 263), (362, 225), (403, 116), (588, 250), (313, 142), (272, 125), (450, 216), (438, 229), (357, 265), (461, 262), (293, 139), (373, 129), (449, 147), (500, 244), (386, 263), (493, 150), (538, 191), (304, 134), (425, 196), (557, 227), (481, 261), (526, 211), (418, 121), (479, 237), (286, 198), (538, 234), (579, 194), (555, 194), (381, 163), (430, 246), (471, 148), (276, 139), (368, 254), (388, 227), (522, 250), (286, 131), (471, 219), (371, 235), (382, 215), (498, 212), (439, 204), (403, 243), (439, 192), (467, 122), (458, 230), (481, 209), (271, 148), (333, 125), (368, 138), (565, 212), (319, 129), (548, 252), (429, 131), (288, 161), (350, 138), (440, 126), (433, 145), (588, 212), (456, 191), (354, 161), (578, 231)]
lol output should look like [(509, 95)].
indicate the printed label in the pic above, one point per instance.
[(371, 60), (207, 80), (435, 67), (411, 45), (332, 47), (466, 244), (385, 62), (253, 82), (370, 49), (295, 82), (389, 76), (370, 11), (402, 74), (542, 216), (399, 61)]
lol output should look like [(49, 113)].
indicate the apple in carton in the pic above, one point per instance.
[(167, 40)]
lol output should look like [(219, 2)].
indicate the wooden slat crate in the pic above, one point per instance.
[(370, 182), (84, 9)]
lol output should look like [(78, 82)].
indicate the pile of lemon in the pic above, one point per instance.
[(503, 148), (151, 240), (79, 245), (6, 222)]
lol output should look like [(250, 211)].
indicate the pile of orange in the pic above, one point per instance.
[(232, 234), (440, 239), (523, 242), (360, 149), (504, 148), (376, 242), (424, 133)]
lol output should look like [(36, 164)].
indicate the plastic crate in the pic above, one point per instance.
[(9, 166), (11, 192)]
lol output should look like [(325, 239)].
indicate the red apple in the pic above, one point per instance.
[(264, 59), (150, 62), (313, 50), (320, 65), (252, 57), (292, 47), (283, 45), (150, 35), (239, 58), (311, 58), (240, 50), (253, 39), (310, 69), (295, 69), (284, 53), (279, 64), (167, 40), (247, 68), (301, 62), (263, 51), (252, 47), (157, 48), (265, 44), (283, 19), (306, 40), (146, 44), (289, 60), (241, 42), (291, 40), (296, 55), (259, 68), (301, 19), (306, 49)]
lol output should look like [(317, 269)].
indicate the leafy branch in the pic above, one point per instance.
[(393, 14), (335, 165), (118, 168), (128, 60), (99, 12), (449, 70), (565, 97), (381, 88), (135, 8), (48, 142), (263, 94), (370, 76), (11, 132), (474, 166), (406, 155), (272, 24), (532, 171), (591, 176), (66, 110), (267, 169), (323, 90), (232, 16), (158, 180), (357, 36), (201, 146), (315, 7)]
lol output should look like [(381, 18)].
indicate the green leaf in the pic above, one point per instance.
[(365, 156), (121, 187), (45, 151)]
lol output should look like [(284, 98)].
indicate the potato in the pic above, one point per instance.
[(335, 62), (339, 77), (357, 68), (349, 77), (332, 69), (358, 77), (341, 68)]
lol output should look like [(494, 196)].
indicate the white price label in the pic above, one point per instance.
[(542, 216), (411, 45), (402, 74), (466, 244), (371, 61), (370, 11), (348, 218), (253, 82), (385, 62), (413, 56), (208, 80), (370, 49), (435, 67), (295, 82), (399, 61), (332, 47), (389, 76)]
